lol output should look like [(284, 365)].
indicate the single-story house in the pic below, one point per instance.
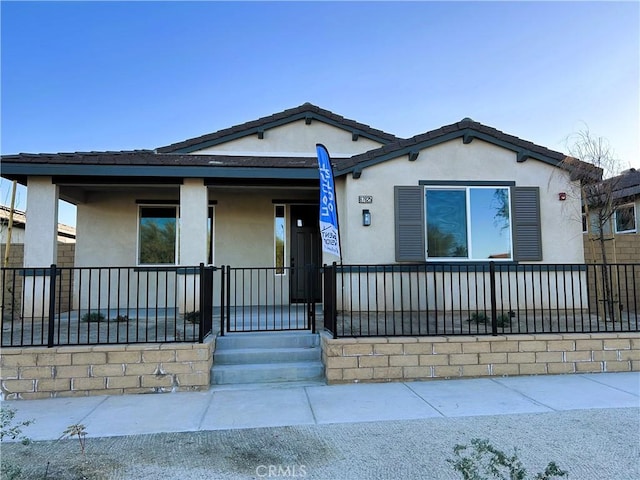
[(248, 196), (621, 227), (66, 233)]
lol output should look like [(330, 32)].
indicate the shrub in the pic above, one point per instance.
[(192, 317), (93, 317), (478, 317), (8, 470), (486, 461)]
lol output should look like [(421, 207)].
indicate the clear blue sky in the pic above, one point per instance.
[(79, 76)]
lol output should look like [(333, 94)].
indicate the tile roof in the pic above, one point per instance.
[(458, 127), (625, 185), (291, 114), (20, 220), (166, 156), (150, 158)]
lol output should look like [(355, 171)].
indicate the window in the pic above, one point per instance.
[(279, 239), (468, 223), (457, 221), (157, 235), (625, 219)]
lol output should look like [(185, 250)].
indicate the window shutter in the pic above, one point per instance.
[(409, 218), (527, 238)]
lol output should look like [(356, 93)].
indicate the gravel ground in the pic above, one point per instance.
[(590, 444)]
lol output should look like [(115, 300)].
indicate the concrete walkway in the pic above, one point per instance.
[(252, 406)]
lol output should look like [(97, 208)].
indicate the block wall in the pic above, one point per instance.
[(624, 248), (30, 373), (386, 359), (13, 284)]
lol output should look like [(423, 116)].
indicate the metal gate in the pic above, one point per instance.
[(259, 299)]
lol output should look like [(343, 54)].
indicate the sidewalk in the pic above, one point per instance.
[(254, 406)]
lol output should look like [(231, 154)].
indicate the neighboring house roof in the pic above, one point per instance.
[(173, 161), (626, 185), (20, 221), (306, 111)]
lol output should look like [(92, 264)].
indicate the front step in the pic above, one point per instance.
[(267, 357)]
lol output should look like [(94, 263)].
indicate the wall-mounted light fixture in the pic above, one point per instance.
[(366, 218), (562, 196)]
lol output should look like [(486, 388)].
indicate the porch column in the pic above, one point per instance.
[(193, 240), (40, 244)]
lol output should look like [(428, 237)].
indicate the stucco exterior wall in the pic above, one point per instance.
[(17, 234), (453, 160), (243, 236), (295, 139)]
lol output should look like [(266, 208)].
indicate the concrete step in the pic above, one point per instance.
[(267, 340), (266, 373), (267, 358), (238, 356)]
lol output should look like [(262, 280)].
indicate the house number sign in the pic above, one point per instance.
[(365, 198)]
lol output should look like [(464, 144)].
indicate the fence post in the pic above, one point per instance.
[(228, 302), (201, 302), (494, 308), (222, 298), (206, 301), (310, 294), (334, 295), (52, 305)]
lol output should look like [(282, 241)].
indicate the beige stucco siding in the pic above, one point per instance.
[(453, 160), (294, 139)]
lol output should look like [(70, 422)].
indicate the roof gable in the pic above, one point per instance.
[(306, 112), (466, 129)]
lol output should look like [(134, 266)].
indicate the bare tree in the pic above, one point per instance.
[(593, 158)]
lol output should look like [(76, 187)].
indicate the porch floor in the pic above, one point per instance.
[(150, 325)]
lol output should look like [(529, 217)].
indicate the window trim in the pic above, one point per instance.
[(466, 187), (158, 204), (635, 219)]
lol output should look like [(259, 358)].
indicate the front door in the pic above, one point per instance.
[(306, 255)]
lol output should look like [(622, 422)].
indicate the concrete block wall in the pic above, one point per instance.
[(66, 259), (30, 373), (626, 246), (386, 359)]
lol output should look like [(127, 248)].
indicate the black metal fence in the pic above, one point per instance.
[(120, 305), (480, 299), (106, 305)]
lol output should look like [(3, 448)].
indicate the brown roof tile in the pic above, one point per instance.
[(279, 117)]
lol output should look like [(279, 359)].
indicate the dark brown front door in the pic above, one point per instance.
[(306, 255)]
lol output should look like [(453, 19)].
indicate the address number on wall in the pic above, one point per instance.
[(365, 198)]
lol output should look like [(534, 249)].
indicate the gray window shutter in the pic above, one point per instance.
[(527, 237), (409, 218)]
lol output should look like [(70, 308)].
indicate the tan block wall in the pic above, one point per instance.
[(624, 248), (28, 373), (387, 359), (66, 259)]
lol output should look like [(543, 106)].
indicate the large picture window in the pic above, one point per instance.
[(472, 223), (157, 237)]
